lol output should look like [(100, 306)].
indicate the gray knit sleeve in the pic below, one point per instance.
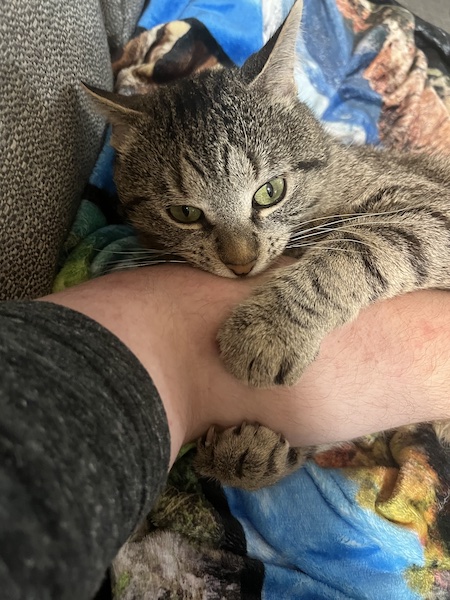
[(84, 450)]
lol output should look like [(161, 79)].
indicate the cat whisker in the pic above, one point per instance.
[(339, 219), (317, 244), (352, 214), (132, 265), (346, 250), (144, 260), (322, 229), (325, 231), (137, 251), (325, 228), (361, 242)]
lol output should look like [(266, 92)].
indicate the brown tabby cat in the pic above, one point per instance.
[(229, 170)]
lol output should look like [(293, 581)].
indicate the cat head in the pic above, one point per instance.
[(220, 168)]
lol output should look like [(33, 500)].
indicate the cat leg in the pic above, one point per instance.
[(248, 456), (275, 334)]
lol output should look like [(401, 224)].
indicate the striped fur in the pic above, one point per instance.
[(365, 225)]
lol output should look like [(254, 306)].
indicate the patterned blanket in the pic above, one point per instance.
[(366, 521)]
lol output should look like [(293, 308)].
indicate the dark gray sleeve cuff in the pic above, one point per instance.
[(84, 450)]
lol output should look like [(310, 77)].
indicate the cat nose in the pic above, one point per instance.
[(242, 270)]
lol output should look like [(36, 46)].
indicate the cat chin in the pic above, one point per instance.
[(220, 271), (225, 272)]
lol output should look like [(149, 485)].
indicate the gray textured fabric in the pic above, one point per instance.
[(433, 11), (49, 137), (120, 19), (84, 451)]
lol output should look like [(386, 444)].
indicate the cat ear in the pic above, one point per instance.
[(121, 112), (255, 63), (277, 74)]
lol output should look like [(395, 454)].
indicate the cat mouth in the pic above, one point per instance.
[(242, 270), (221, 269)]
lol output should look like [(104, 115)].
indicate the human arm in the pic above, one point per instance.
[(388, 368), (84, 471), (84, 451)]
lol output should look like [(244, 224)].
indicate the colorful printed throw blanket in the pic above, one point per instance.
[(370, 520)]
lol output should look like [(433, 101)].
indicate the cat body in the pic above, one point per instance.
[(229, 170)]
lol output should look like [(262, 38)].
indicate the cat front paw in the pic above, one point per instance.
[(261, 346), (249, 456)]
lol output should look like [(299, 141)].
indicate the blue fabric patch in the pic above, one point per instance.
[(333, 67), (317, 542), (236, 25), (102, 175)]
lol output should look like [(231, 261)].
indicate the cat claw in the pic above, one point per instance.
[(209, 437)]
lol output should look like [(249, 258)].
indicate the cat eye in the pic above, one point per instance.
[(185, 214), (270, 193)]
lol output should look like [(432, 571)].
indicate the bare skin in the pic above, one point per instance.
[(390, 367)]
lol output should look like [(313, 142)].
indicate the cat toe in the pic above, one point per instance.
[(249, 456), (255, 353)]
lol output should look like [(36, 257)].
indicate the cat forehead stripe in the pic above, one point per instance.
[(194, 164)]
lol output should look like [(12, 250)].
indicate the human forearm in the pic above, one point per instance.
[(390, 367)]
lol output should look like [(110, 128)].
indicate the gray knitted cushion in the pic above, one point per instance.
[(49, 138)]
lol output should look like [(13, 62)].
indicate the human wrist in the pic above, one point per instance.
[(136, 311)]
